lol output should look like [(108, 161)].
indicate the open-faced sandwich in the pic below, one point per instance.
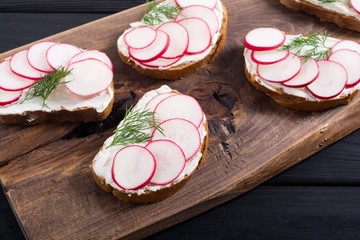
[(344, 13), (55, 82), (175, 38), (155, 149), (303, 72)]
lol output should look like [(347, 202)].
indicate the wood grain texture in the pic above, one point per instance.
[(251, 139)]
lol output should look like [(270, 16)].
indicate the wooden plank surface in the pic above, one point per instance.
[(237, 111)]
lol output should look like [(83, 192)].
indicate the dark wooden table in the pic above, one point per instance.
[(316, 199)]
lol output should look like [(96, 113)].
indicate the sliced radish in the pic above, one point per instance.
[(281, 71), (152, 52), (179, 39), (179, 106), (308, 73), (140, 37), (170, 161), (184, 133), (207, 3), (133, 167), (262, 39), (199, 34), (36, 56), (269, 57), (21, 67), (60, 54), (351, 62), (96, 54), (89, 77), (331, 80), (355, 4), (202, 12), (7, 97), (10, 81), (346, 44), (151, 105), (161, 62)]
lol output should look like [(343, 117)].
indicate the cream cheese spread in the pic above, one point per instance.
[(102, 162), (219, 12)]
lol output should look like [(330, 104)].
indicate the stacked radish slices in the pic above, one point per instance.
[(91, 71), (355, 4), (313, 79)]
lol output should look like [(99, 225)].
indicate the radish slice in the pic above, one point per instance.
[(269, 57), (7, 97), (207, 3), (346, 44), (152, 52), (21, 67), (36, 56), (151, 105), (184, 133), (95, 54), (170, 161), (133, 167), (140, 37), (351, 62), (199, 34), (60, 54), (179, 106), (10, 81), (161, 62), (355, 4), (331, 80), (89, 77), (202, 12), (262, 39), (179, 39), (308, 73), (281, 71)]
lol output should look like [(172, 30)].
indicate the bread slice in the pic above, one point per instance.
[(325, 15), (101, 167), (187, 68)]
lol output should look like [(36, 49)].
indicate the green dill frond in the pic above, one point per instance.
[(329, 1), (156, 12)]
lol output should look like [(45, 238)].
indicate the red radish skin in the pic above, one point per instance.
[(179, 40), (281, 71), (207, 3), (140, 37), (36, 56), (152, 52), (21, 67), (7, 97), (331, 80), (263, 39), (94, 54), (183, 132), (170, 161), (308, 73), (205, 13), (346, 44), (269, 57), (88, 77), (199, 34), (161, 62), (60, 54), (180, 106), (355, 4), (10, 81), (151, 105), (351, 62), (133, 167)]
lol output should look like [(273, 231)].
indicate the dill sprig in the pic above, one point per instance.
[(47, 84), (132, 129), (329, 1), (156, 12), (309, 47)]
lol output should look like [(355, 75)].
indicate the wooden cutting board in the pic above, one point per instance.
[(45, 169)]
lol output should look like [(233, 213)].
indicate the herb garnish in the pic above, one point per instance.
[(156, 12), (329, 1), (309, 47), (47, 84), (133, 126)]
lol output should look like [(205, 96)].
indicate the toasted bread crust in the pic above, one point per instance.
[(325, 15), (183, 70), (77, 115), (151, 196)]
